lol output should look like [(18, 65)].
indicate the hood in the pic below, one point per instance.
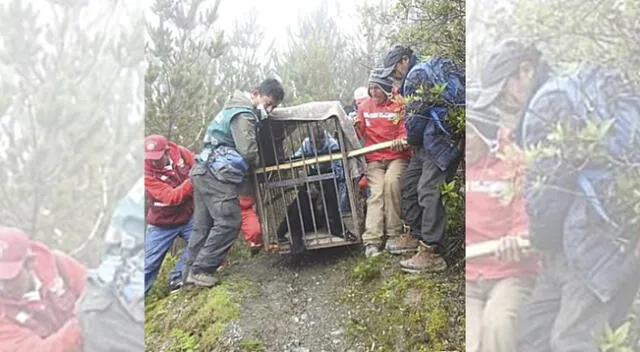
[(243, 100), (239, 100)]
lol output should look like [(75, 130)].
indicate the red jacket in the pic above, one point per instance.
[(381, 123), (169, 190), (490, 215), (49, 324)]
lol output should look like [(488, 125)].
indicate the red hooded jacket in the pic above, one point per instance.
[(48, 324), (495, 208), (169, 189), (379, 123)]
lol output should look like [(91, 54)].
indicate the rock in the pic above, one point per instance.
[(337, 332)]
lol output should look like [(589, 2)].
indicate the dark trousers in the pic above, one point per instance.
[(422, 206), (217, 221), (564, 315), (100, 312)]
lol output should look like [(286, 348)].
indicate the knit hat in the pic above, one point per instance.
[(377, 77)]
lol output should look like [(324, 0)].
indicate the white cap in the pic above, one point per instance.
[(361, 93)]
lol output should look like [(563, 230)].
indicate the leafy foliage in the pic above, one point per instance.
[(69, 142), (181, 91), (316, 66)]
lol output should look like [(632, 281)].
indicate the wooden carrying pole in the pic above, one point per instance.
[(325, 158), (488, 248)]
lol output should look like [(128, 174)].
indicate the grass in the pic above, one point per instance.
[(398, 311)]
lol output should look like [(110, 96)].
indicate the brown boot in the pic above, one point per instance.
[(404, 243), (426, 260)]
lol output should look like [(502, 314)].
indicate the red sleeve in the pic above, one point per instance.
[(189, 156), (167, 194), (76, 273), (14, 338)]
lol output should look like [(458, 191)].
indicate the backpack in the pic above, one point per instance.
[(596, 94), (434, 71)]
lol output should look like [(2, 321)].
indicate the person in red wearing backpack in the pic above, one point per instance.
[(39, 288), (380, 120), (170, 201)]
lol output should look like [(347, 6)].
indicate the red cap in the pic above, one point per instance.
[(14, 247), (154, 147)]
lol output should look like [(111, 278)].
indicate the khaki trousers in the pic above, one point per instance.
[(492, 308), (384, 214)]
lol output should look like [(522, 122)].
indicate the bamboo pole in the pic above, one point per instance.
[(325, 158), (488, 248)]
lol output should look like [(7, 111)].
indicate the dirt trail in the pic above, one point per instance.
[(271, 303), (296, 306)]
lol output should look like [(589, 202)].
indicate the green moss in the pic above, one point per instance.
[(401, 311), (183, 342), (204, 313), (250, 345)]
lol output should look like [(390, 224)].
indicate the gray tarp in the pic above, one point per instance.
[(321, 111)]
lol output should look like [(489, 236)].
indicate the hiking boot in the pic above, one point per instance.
[(175, 284), (201, 279), (402, 244), (426, 260), (371, 250)]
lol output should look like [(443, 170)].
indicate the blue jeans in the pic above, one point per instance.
[(157, 242), (345, 205)]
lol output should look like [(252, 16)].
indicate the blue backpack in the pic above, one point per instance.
[(425, 119), (594, 94)]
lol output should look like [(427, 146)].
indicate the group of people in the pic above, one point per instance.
[(404, 182), (207, 199), (560, 273)]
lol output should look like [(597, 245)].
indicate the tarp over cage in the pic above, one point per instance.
[(309, 112), (280, 177)]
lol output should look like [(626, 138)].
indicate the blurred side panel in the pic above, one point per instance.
[(553, 159), (71, 216)]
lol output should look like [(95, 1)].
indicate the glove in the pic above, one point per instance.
[(363, 183)]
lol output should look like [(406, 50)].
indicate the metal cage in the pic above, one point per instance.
[(311, 201)]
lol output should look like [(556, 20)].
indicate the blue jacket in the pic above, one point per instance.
[(425, 122), (329, 146), (122, 268), (575, 222)]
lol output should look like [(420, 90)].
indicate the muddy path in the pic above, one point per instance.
[(297, 305)]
